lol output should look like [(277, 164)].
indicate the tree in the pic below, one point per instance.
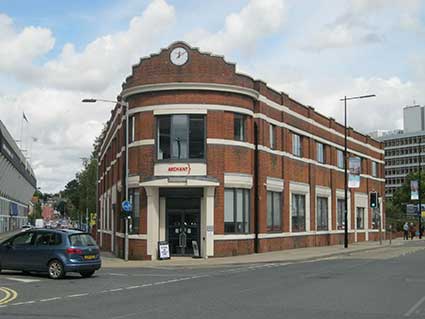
[(396, 208)]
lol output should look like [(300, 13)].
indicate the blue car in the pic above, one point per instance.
[(53, 251)]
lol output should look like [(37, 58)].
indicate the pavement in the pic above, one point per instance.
[(289, 255)]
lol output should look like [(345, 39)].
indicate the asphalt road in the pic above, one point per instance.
[(385, 283)]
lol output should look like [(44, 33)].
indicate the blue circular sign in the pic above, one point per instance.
[(126, 206)]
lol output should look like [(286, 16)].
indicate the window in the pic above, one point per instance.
[(322, 213), (374, 169), (340, 213), (236, 210), (274, 210), (375, 219), (239, 127), (131, 129), (48, 239), (340, 155), (23, 239), (320, 153), (180, 137), (360, 217), (81, 240), (298, 213), (296, 145), (272, 129), (134, 197)]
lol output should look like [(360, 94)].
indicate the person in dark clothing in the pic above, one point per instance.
[(412, 230), (406, 231)]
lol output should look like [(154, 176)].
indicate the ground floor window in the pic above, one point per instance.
[(340, 208), (134, 197), (298, 213), (322, 213), (360, 217), (375, 219), (236, 210), (274, 211)]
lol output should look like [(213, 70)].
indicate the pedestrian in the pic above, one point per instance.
[(412, 230), (406, 231)]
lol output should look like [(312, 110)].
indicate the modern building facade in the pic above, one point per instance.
[(404, 149), (17, 183), (223, 160)]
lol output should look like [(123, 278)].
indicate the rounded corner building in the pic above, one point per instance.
[(218, 158)]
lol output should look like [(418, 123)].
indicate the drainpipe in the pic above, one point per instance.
[(256, 197)]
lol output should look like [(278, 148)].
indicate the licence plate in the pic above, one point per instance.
[(89, 257)]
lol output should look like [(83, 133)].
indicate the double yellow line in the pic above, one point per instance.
[(9, 295)]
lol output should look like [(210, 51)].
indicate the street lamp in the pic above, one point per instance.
[(125, 106), (345, 99)]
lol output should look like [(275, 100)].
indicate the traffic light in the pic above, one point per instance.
[(373, 200)]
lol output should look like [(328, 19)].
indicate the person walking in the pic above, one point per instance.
[(412, 230), (406, 231)]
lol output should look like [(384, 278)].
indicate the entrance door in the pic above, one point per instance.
[(183, 225)]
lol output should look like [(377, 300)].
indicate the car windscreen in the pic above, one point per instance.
[(81, 240)]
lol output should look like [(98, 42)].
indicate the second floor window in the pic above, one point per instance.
[(180, 137), (296, 145), (239, 127)]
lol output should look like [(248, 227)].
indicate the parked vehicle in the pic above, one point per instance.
[(39, 223), (55, 251)]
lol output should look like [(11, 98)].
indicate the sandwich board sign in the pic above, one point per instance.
[(164, 250)]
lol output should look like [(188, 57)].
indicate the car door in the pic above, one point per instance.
[(44, 245), (17, 252)]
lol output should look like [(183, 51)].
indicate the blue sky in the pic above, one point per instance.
[(53, 53)]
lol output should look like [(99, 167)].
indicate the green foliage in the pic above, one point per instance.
[(396, 208)]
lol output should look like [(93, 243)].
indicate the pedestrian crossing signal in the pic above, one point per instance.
[(373, 200)]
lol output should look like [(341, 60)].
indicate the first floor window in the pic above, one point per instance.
[(239, 127), (298, 213), (374, 169), (296, 145), (341, 162), (340, 203), (274, 210), (360, 217), (132, 129), (320, 153), (180, 136), (322, 213), (272, 133), (236, 210)]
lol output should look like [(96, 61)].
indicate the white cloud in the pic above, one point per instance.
[(242, 30), (20, 49)]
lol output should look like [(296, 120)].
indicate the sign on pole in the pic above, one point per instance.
[(126, 206), (354, 169), (414, 190)]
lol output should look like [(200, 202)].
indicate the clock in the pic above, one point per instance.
[(179, 56)]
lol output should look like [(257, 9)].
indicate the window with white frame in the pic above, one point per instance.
[(374, 169), (322, 213), (132, 129), (340, 208), (296, 145), (272, 134), (340, 157), (298, 213), (274, 210), (239, 127), (360, 217), (320, 152), (236, 210)]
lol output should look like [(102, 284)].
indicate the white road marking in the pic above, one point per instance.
[(116, 289), (77, 295), (414, 307), (132, 287), (22, 303), (117, 274), (50, 299), (22, 279)]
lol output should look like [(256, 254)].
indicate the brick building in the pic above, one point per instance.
[(222, 159)]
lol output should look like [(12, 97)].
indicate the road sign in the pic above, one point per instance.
[(126, 206)]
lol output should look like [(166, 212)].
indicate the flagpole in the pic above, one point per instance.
[(22, 130)]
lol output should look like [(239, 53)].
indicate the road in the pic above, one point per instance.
[(385, 283)]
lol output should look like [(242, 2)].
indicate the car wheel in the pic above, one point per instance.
[(56, 270), (87, 274)]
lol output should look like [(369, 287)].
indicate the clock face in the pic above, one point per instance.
[(179, 56)]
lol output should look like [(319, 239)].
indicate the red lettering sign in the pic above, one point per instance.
[(179, 168)]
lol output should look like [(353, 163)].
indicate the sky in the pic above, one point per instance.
[(55, 53)]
